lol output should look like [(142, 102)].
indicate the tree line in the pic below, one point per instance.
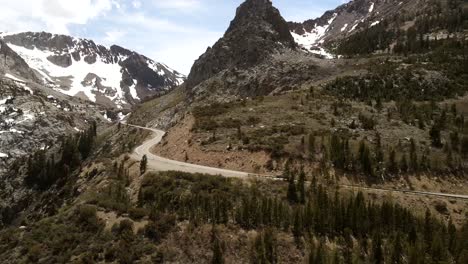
[(43, 170), (360, 228)]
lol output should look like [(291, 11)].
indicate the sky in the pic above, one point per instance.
[(175, 32)]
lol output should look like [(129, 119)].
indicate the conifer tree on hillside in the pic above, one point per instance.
[(435, 136), (301, 186), (217, 248), (143, 164), (292, 191)]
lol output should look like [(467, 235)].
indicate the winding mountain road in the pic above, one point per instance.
[(157, 163)]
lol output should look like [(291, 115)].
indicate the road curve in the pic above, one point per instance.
[(157, 163)]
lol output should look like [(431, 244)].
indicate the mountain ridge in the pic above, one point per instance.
[(114, 76), (347, 19)]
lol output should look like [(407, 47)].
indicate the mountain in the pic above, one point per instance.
[(256, 56), (114, 77), (257, 31), (346, 20)]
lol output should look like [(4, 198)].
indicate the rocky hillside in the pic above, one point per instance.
[(114, 77)]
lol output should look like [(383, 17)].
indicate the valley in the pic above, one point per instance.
[(340, 139)]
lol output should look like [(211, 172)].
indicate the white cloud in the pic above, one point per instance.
[(51, 15), (177, 4), (181, 51), (145, 24), (136, 4), (113, 36)]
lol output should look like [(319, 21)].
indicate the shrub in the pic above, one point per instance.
[(87, 214), (137, 213), (368, 123), (158, 229), (253, 120), (211, 110), (231, 123), (124, 227)]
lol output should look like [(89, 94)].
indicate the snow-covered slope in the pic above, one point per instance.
[(78, 67), (313, 35)]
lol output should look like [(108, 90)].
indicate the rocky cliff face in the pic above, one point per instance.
[(114, 77), (13, 63), (257, 32)]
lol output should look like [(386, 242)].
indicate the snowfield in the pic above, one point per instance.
[(110, 73), (310, 40)]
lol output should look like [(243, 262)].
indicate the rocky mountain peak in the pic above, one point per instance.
[(257, 31), (262, 13)]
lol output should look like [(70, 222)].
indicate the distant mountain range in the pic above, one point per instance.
[(113, 77)]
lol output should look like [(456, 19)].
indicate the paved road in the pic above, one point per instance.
[(445, 195), (157, 163)]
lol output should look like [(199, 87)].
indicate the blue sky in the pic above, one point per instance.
[(175, 32)]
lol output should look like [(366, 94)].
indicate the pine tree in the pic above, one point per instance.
[(312, 253), (427, 235), (438, 250), (217, 249), (415, 256), (264, 249), (397, 251), (301, 186), (311, 146), (320, 257), (435, 136), (365, 159), (379, 155), (336, 257), (377, 252), (404, 163), (464, 147), (270, 246), (452, 236), (292, 192), (414, 164), (143, 164), (392, 163), (297, 224)]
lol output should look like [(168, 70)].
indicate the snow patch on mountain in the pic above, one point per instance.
[(9, 76), (371, 8), (344, 27), (161, 68), (20, 82), (110, 73), (375, 23), (133, 91), (310, 40)]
